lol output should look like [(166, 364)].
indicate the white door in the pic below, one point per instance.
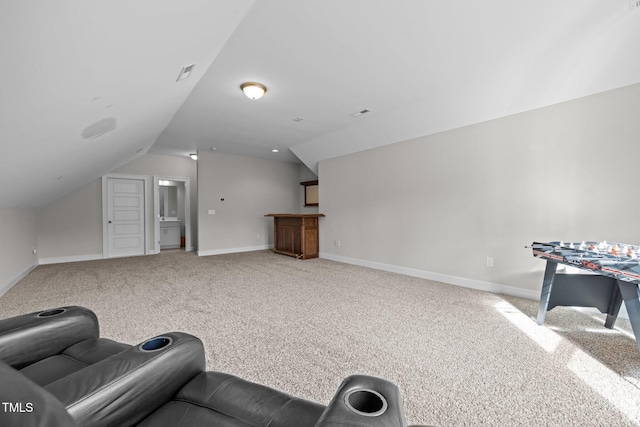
[(125, 217)]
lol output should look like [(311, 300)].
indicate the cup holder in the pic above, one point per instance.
[(365, 402), (50, 313), (155, 344)]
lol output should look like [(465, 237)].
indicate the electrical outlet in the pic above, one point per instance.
[(634, 4), (489, 261)]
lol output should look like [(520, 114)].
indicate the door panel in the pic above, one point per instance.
[(126, 216)]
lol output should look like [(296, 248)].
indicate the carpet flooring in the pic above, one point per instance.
[(461, 357)]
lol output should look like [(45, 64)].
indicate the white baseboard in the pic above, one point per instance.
[(4, 289), (75, 258), (438, 277), (234, 250), (458, 281)]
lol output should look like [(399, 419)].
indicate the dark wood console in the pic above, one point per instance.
[(296, 235)]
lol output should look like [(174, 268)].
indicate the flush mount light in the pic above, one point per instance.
[(253, 90), (194, 156)]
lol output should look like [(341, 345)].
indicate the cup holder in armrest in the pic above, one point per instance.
[(155, 344), (363, 400), (366, 402), (50, 313)]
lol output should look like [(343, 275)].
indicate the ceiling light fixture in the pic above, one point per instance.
[(194, 156), (253, 90), (275, 150)]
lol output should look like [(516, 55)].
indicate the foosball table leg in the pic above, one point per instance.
[(547, 284), (631, 295), (614, 306)]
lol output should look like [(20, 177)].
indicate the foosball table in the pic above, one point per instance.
[(615, 276)]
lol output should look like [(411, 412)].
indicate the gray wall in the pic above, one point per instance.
[(18, 231), (251, 188), (71, 227), (439, 205)]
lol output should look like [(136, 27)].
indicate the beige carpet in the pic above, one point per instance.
[(460, 357)]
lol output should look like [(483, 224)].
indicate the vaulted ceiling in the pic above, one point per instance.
[(86, 87)]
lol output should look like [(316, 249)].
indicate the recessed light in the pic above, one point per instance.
[(213, 148), (275, 150), (298, 119)]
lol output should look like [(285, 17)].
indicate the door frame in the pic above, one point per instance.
[(105, 210), (187, 210)]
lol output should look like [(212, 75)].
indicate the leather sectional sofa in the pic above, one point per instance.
[(56, 370)]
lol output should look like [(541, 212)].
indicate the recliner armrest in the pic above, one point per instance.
[(32, 337), (363, 400), (124, 388)]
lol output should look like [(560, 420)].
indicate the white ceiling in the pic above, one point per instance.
[(421, 67)]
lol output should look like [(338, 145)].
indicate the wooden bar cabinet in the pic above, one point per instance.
[(296, 235)]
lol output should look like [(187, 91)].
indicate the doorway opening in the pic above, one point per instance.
[(172, 213)]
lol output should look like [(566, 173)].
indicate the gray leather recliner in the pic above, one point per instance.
[(56, 362)]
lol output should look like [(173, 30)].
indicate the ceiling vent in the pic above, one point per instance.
[(186, 72), (99, 128), (359, 113)]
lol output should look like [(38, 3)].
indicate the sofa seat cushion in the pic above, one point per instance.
[(72, 359), (218, 399), (51, 369)]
